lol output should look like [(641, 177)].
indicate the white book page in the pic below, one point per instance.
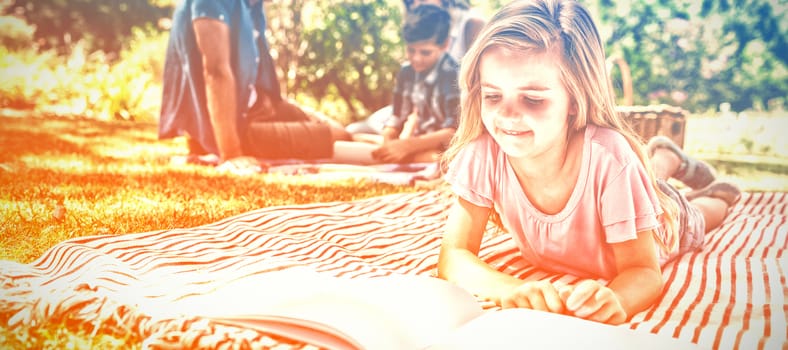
[(393, 312), (525, 328)]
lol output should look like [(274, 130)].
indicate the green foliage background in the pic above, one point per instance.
[(102, 58), (345, 52), (699, 54)]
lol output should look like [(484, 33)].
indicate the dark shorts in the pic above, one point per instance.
[(288, 133), (691, 224)]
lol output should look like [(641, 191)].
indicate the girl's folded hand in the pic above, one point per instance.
[(593, 301), (536, 295)]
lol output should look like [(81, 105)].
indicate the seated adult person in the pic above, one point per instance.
[(220, 90)]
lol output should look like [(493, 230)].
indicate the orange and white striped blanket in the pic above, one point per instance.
[(731, 295)]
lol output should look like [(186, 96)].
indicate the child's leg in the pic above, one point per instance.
[(665, 162), (427, 156), (670, 161), (714, 201), (374, 124), (353, 152), (375, 139), (714, 211), (690, 221), (701, 213)]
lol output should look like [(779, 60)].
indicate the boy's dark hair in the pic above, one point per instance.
[(445, 3), (426, 22), (463, 4)]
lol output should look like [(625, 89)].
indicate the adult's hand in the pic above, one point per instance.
[(263, 108)]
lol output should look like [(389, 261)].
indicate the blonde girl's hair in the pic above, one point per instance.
[(564, 29)]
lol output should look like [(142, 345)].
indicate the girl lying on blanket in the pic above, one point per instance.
[(541, 151)]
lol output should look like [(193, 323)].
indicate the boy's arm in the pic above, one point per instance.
[(449, 104), (450, 98), (393, 124), (458, 260), (410, 126), (390, 133)]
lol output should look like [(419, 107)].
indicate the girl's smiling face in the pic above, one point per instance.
[(525, 106)]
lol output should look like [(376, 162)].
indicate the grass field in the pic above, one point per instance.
[(64, 178), (67, 178), (750, 149)]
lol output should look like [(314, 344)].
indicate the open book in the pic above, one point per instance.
[(393, 312)]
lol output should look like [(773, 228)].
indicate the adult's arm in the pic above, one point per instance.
[(213, 40)]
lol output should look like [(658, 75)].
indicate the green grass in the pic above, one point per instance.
[(115, 178), (64, 178)]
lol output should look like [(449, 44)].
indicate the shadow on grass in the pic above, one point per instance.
[(89, 139)]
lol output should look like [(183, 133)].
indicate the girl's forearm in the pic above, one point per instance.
[(637, 288), (474, 275)]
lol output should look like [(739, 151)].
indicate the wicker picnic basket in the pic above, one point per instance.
[(651, 120)]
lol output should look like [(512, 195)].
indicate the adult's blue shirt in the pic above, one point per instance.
[(184, 108)]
